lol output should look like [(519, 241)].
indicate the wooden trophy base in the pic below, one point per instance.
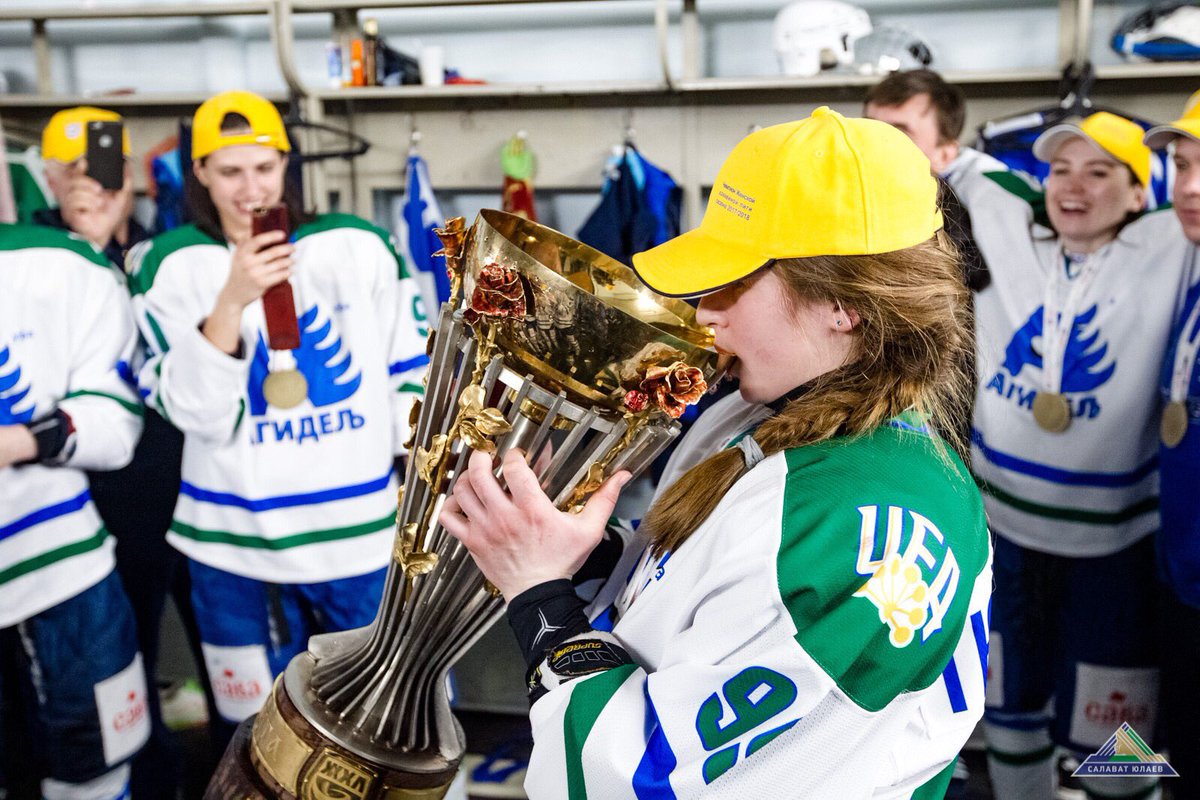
[(279, 755)]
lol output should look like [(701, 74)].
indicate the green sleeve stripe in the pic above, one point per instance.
[(23, 237), (588, 699), (1147, 506), (53, 556), (154, 252), (1017, 186), (158, 399), (241, 413), (132, 408), (415, 388), (329, 222), (255, 542), (935, 787), (156, 329)]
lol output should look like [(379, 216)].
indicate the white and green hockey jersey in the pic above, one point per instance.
[(66, 339), (1091, 490), (295, 495), (822, 635)]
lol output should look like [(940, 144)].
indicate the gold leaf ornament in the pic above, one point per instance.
[(476, 423), (406, 556), (593, 480), (428, 460)]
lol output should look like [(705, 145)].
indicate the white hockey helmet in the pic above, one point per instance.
[(811, 35), (889, 48)]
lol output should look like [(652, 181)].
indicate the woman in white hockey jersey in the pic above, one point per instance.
[(66, 405), (803, 613), (288, 496), (1071, 335)]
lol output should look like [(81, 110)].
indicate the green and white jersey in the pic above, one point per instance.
[(1091, 490), (822, 634), (27, 174), (66, 339), (295, 495)]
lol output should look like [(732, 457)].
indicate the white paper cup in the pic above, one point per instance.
[(433, 65)]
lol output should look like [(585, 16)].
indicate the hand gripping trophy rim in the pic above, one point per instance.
[(552, 342)]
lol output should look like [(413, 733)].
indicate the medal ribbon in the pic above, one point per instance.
[(1058, 320), (1185, 355)]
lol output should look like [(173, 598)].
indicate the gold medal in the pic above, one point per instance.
[(286, 388), (1052, 412), (1174, 423)]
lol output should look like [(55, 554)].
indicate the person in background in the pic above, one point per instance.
[(932, 112), (1179, 466), (103, 217), (288, 498), (135, 502), (824, 566), (70, 670), (1071, 333)]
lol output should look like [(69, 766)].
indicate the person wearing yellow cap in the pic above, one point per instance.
[(292, 410), (1070, 336), (1178, 542), (803, 612), (103, 217)]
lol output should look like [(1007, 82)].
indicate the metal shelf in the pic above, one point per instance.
[(598, 89), (136, 11), (114, 101)]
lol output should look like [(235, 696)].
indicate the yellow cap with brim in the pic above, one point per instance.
[(1160, 136), (821, 186), (1117, 137), (65, 136), (265, 125)]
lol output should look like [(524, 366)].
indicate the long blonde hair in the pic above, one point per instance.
[(910, 348)]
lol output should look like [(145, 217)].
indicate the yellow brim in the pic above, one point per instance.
[(1159, 137), (695, 264)]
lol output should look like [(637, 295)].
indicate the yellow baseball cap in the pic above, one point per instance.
[(1188, 125), (1117, 137), (266, 126), (821, 186), (65, 136)]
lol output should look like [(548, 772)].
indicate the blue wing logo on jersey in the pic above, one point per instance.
[(1083, 367), (323, 364), (11, 395)]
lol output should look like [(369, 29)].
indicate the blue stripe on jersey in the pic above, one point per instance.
[(285, 500), (606, 620), (958, 700), (45, 514), (407, 364), (981, 643), (1108, 480), (651, 779)]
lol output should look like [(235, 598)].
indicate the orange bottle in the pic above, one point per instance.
[(357, 76)]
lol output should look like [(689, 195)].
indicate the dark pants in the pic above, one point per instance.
[(73, 699), (137, 504), (1180, 703)]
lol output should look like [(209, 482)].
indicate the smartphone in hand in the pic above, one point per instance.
[(270, 218), (105, 153), (279, 307)]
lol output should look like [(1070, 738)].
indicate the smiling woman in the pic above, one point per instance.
[(288, 497), (781, 572), (1072, 334)]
